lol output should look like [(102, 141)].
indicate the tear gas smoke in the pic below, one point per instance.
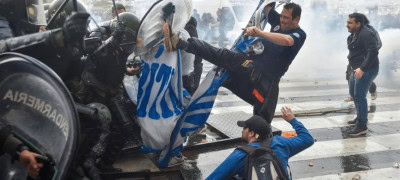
[(324, 54)]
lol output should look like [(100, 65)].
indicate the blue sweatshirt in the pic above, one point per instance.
[(283, 147)]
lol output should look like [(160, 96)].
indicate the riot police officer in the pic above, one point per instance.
[(95, 117), (60, 47), (102, 79), (19, 23)]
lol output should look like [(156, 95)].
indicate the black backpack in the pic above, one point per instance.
[(262, 163)]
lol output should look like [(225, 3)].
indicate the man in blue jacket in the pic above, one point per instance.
[(256, 130)]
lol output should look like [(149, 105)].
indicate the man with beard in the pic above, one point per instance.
[(363, 58)]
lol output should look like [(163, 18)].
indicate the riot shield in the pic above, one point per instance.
[(38, 107)]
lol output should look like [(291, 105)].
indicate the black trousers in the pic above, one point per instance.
[(241, 82)]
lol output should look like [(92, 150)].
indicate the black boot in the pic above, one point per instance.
[(90, 169), (113, 150)]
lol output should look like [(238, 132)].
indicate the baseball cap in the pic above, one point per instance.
[(257, 124)]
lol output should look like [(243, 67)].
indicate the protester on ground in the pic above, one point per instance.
[(255, 132)]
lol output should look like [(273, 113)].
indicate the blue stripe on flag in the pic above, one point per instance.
[(166, 112), (197, 119), (159, 51), (147, 149), (203, 105), (142, 109), (212, 90), (163, 75), (180, 87)]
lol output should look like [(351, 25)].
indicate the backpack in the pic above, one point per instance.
[(262, 163)]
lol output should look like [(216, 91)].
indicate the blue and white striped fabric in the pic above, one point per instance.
[(166, 113)]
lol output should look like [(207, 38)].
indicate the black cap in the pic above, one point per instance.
[(257, 124)]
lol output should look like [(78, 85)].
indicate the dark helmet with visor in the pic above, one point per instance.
[(65, 12), (132, 24), (31, 11)]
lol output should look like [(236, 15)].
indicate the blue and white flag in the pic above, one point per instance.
[(166, 112)]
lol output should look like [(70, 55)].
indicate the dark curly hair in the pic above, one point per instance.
[(296, 9)]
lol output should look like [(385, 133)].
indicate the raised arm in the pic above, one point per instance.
[(303, 140), (276, 38)]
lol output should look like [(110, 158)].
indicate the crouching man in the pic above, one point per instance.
[(257, 133)]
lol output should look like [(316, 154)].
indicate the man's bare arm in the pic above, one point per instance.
[(276, 38)]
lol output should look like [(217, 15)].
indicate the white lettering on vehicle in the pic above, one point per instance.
[(40, 106)]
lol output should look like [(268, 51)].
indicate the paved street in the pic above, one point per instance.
[(334, 155)]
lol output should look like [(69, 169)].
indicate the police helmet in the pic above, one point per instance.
[(65, 12), (31, 11), (129, 19), (132, 23)]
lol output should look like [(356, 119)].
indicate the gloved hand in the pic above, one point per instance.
[(114, 45), (109, 45), (75, 27), (119, 31)]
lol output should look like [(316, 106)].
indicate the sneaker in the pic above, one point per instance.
[(177, 160), (171, 39), (357, 131), (374, 95), (348, 99), (352, 122)]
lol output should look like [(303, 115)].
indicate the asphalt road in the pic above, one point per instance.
[(334, 155)]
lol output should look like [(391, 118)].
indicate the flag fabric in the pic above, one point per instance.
[(166, 112)]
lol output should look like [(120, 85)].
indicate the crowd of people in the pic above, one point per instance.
[(210, 27), (95, 81)]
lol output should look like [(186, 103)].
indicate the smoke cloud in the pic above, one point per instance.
[(324, 54)]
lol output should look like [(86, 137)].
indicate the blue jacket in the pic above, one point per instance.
[(283, 147)]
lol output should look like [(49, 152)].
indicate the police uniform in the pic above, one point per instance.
[(259, 84), (102, 80), (19, 34)]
